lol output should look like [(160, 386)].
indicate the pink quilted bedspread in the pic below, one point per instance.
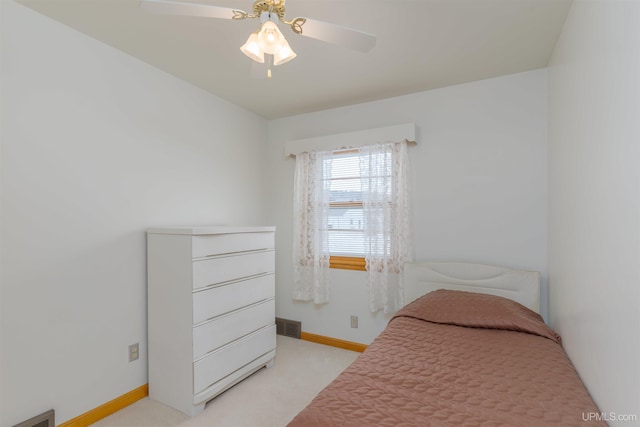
[(457, 359)]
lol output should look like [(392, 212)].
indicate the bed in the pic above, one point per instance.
[(467, 349)]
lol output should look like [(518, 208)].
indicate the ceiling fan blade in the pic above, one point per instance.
[(169, 7), (337, 34)]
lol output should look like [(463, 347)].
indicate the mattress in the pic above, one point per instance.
[(455, 358)]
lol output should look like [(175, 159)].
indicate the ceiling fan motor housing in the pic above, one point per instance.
[(271, 6)]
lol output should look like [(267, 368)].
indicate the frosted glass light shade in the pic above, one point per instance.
[(270, 38), (284, 55), (252, 48)]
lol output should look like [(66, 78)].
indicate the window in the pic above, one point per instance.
[(348, 171), (351, 212)]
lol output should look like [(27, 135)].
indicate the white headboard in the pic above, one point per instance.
[(519, 285)]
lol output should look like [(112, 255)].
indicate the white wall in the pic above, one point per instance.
[(594, 198), (96, 147), (479, 177)]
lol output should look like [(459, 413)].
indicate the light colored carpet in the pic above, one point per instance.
[(269, 398)]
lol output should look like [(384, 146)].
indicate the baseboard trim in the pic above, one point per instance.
[(108, 408), (334, 342)]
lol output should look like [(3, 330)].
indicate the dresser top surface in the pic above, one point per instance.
[(210, 229)]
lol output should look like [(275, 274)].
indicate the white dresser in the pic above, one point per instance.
[(211, 310)]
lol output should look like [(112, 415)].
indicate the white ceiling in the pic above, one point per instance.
[(421, 45)]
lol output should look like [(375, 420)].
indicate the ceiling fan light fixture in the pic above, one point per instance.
[(284, 55), (252, 48)]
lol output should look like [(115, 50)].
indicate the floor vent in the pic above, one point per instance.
[(47, 419), (289, 328)]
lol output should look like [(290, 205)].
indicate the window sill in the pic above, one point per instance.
[(348, 263)]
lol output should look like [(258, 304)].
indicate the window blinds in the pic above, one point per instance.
[(349, 174)]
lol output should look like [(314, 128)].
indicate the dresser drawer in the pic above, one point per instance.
[(224, 329), (211, 271), (218, 300), (232, 357), (217, 244)]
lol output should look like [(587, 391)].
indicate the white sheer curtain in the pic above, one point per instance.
[(387, 225), (386, 218), (311, 216)]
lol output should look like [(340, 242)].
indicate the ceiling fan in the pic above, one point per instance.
[(267, 45)]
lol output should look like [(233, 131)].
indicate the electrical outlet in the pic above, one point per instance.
[(354, 321), (134, 352)]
